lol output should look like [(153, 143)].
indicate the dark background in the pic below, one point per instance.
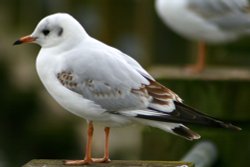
[(33, 126)]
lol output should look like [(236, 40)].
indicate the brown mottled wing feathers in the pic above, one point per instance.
[(160, 93), (67, 79)]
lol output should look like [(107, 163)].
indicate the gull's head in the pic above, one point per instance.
[(56, 29)]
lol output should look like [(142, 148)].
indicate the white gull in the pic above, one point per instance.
[(206, 21), (101, 84)]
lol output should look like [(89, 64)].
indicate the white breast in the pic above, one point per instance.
[(47, 66)]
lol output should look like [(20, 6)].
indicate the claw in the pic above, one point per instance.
[(86, 161), (77, 162), (101, 160)]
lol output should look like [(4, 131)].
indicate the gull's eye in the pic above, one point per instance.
[(45, 32)]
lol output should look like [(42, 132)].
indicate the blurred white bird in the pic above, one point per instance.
[(206, 21), (101, 84)]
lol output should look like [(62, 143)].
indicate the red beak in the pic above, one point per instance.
[(26, 39)]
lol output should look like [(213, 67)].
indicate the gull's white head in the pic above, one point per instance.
[(54, 30)]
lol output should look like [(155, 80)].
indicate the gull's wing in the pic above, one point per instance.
[(121, 86), (228, 15), (111, 79), (105, 76)]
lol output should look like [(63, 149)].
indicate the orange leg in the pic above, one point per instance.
[(201, 58), (88, 156), (106, 153), (106, 149)]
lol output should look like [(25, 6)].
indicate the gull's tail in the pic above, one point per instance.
[(174, 128)]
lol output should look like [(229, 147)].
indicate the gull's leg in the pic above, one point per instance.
[(88, 158), (106, 149), (201, 59)]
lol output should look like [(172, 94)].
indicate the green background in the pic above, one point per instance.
[(33, 126)]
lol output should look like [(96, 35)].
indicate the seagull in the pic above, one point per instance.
[(206, 21), (102, 84)]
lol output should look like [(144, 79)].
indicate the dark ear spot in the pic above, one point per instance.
[(60, 32)]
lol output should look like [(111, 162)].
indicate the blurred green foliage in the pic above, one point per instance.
[(28, 127)]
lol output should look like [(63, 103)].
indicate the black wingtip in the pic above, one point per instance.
[(231, 126), (18, 42), (196, 117)]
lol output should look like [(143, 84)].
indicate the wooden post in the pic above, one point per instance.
[(115, 163)]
